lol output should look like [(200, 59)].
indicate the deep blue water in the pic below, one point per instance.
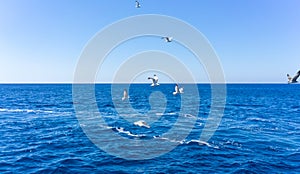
[(259, 131)]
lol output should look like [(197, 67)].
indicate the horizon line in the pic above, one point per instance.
[(4, 83)]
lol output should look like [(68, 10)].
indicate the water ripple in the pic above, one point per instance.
[(259, 132)]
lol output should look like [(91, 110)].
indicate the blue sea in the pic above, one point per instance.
[(42, 131)]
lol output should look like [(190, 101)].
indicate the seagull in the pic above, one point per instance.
[(137, 4), (141, 123), (177, 90), (294, 79), (125, 95), (167, 39), (154, 80)]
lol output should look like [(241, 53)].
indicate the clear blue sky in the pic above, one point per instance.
[(256, 40)]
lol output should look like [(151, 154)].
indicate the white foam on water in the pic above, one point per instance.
[(26, 110), (122, 130), (141, 123)]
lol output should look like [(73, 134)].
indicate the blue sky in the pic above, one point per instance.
[(257, 41)]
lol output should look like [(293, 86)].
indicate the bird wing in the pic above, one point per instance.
[(181, 90), (176, 89), (296, 77), (166, 39), (153, 80), (137, 4)]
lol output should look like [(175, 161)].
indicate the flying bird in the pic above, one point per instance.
[(167, 39), (294, 79), (125, 95), (154, 80), (137, 4), (177, 90)]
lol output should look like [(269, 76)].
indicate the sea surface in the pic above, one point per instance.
[(41, 131)]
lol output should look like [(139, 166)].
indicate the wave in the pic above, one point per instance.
[(123, 131), (188, 142), (258, 119), (22, 110), (32, 111), (244, 105), (199, 142)]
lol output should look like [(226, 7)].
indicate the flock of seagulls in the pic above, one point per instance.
[(154, 79), (155, 83), (178, 90), (142, 123)]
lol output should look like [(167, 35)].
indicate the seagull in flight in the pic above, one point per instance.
[(137, 4), (167, 39), (125, 95), (177, 90), (294, 79), (154, 80)]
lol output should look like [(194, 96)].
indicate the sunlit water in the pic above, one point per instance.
[(259, 132)]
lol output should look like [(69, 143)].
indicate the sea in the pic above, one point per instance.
[(44, 128)]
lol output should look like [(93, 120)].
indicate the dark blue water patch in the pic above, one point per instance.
[(258, 133)]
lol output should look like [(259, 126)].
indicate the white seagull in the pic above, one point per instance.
[(125, 95), (294, 79), (177, 90), (137, 4), (167, 39), (154, 80)]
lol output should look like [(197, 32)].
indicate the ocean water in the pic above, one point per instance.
[(41, 130)]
